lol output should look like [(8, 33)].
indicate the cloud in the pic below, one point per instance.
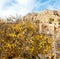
[(47, 4), (13, 7)]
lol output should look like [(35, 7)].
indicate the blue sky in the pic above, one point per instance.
[(23, 7)]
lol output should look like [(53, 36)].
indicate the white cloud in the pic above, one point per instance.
[(22, 7), (25, 2), (25, 6)]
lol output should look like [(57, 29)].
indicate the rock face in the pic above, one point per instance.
[(46, 19), (48, 22), (44, 16)]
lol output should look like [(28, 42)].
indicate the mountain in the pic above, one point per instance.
[(44, 16), (48, 23)]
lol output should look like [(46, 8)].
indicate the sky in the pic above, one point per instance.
[(23, 7)]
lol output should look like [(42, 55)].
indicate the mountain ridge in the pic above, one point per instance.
[(44, 16)]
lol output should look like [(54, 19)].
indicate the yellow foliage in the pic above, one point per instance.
[(15, 37), (12, 35), (39, 42)]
